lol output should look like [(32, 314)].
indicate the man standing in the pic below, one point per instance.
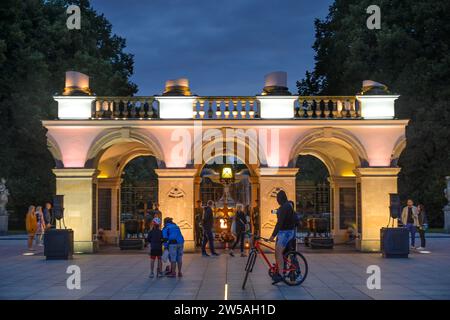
[(207, 222), (410, 219), (48, 216)]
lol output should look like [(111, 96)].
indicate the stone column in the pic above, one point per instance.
[(447, 207), (79, 189), (336, 183), (176, 200), (272, 180), (112, 236), (197, 185), (376, 184)]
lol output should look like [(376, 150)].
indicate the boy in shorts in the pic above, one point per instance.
[(154, 238)]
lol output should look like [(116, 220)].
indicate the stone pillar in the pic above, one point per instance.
[(375, 184), (336, 183), (112, 236), (447, 207), (197, 185), (79, 189), (271, 180), (176, 200)]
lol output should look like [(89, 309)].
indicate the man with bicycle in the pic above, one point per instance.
[(284, 231)]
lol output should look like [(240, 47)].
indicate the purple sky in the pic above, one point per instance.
[(223, 47)]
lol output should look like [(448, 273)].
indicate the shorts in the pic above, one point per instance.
[(176, 252), (155, 253), (284, 236)]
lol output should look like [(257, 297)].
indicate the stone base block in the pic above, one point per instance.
[(189, 246), (85, 247), (3, 224), (447, 219)]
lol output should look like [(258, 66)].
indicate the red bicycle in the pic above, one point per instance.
[(295, 269)]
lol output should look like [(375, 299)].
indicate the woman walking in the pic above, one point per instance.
[(31, 226), (422, 225), (240, 221), (40, 225)]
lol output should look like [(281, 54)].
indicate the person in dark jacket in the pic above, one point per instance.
[(422, 225), (240, 221), (284, 230), (207, 222), (155, 239), (48, 215)]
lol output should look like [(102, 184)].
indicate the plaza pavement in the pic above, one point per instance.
[(125, 276)]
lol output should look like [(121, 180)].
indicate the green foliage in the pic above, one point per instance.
[(140, 171), (312, 170), (410, 54), (36, 49)]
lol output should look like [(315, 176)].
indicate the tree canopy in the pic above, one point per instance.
[(410, 54), (36, 48)]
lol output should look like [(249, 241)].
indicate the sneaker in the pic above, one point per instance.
[(215, 254), (243, 255), (160, 275), (204, 254), (231, 253), (152, 275), (171, 275), (180, 274), (413, 248), (420, 248)]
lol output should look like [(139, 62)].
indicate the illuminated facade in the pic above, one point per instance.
[(356, 137)]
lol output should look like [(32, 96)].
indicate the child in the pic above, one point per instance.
[(154, 238)]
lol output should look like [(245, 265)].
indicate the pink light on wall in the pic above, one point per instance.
[(74, 143), (379, 142)]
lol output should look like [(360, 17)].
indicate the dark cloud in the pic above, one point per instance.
[(224, 47)]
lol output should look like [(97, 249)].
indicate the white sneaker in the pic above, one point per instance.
[(413, 248), (152, 275), (420, 248)]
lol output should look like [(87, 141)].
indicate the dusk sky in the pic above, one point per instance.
[(223, 47)]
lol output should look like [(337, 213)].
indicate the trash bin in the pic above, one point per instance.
[(58, 244), (394, 242)]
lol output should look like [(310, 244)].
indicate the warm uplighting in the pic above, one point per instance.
[(223, 224)]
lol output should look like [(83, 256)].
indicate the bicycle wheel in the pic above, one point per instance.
[(249, 267), (296, 268)]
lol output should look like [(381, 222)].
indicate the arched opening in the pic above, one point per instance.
[(225, 196), (312, 186), (126, 185), (326, 185), (139, 188)]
